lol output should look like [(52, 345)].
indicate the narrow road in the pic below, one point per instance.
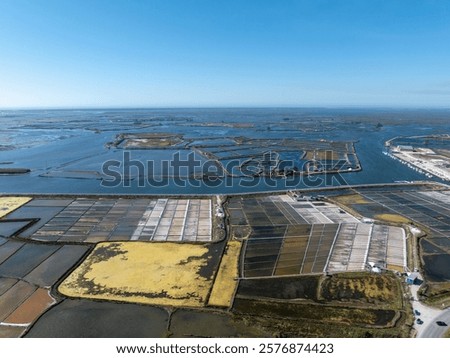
[(432, 330), (429, 316)]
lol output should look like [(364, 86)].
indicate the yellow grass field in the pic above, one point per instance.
[(151, 273), (11, 203), (351, 199), (226, 281), (393, 218)]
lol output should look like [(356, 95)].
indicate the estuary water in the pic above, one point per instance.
[(66, 150)]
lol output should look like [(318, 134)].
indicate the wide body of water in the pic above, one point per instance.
[(60, 141)]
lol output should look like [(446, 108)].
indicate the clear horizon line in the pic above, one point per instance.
[(334, 106)]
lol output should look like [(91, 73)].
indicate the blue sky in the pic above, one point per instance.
[(197, 53)]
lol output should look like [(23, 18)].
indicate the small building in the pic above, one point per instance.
[(376, 269), (412, 278), (219, 213)]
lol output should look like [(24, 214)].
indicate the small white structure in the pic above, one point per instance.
[(412, 278)]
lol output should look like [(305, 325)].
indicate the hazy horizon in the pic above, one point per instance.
[(318, 107)]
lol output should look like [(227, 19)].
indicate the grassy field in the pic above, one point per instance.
[(141, 272), (316, 312), (276, 327), (342, 305), (362, 288), (436, 294), (358, 289), (350, 199), (392, 218), (227, 277), (281, 288)]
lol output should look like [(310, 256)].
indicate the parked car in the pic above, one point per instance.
[(419, 321), (416, 312)]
